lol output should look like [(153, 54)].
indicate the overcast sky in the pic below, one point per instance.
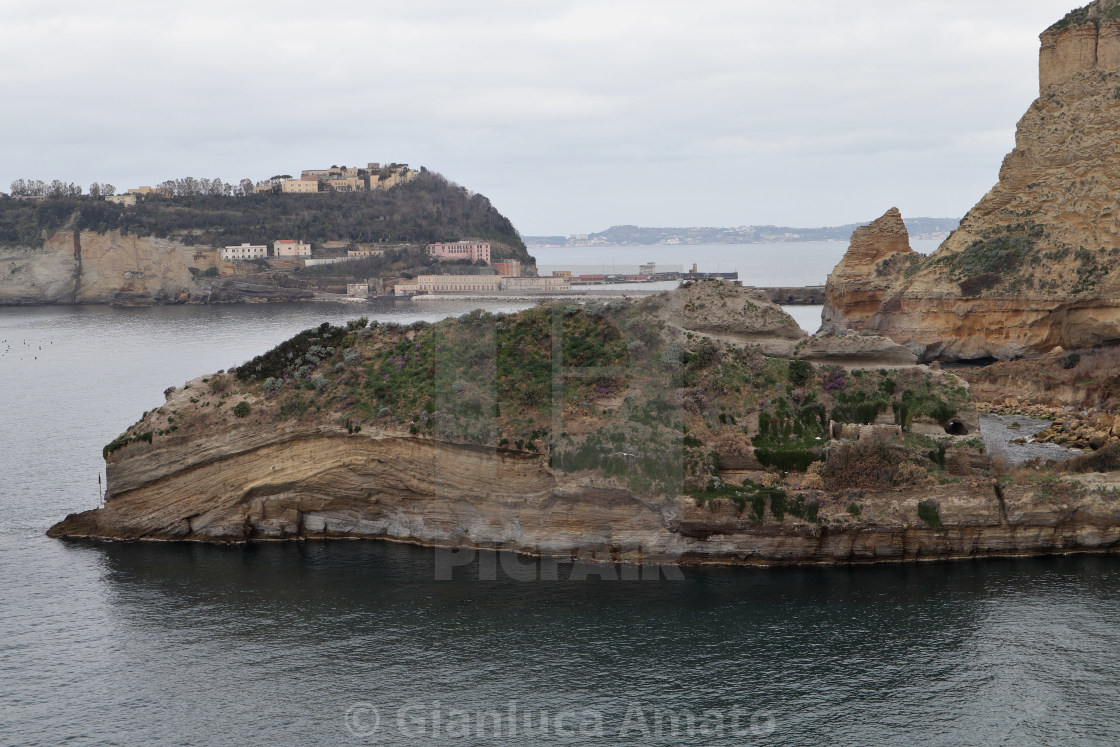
[(570, 115)]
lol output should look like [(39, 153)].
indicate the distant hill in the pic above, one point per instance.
[(426, 209), (919, 228)]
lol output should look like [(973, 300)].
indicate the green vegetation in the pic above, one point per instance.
[(929, 513), (789, 436), (241, 409), (124, 440), (990, 261), (1069, 361)]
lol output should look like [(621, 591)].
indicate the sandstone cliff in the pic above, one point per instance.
[(1036, 263), (239, 484)]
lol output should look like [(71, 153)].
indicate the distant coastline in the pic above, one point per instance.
[(935, 229)]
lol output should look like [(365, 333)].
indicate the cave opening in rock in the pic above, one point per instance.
[(956, 428)]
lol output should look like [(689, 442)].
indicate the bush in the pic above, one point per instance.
[(241, 409), (868, 464), (800, 372), (1069, 361), (1104, 459), (786, 458), (929, 513), (121, 441)]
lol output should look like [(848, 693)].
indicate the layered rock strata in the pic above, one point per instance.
[(246, 484)]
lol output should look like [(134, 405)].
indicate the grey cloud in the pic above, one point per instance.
[(569, 115)]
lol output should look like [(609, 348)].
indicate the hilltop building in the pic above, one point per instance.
[(345, 179), (298, 186)]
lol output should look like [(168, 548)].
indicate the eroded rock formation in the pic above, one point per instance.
[(877, 256), (733, 313), (242, 483), (1036, 263)]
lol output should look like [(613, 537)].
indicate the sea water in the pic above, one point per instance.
[(362, 642)]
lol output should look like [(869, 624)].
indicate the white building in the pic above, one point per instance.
[(245, 251)]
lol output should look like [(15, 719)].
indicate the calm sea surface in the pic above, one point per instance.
[(358, 642)]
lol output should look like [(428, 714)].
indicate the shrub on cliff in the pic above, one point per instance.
[(868, 464), (799, 372), (929, 513), (1105, 459)]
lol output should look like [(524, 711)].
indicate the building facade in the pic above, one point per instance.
[(450, 284), (469, 250), (480, 284), (536, 285), (290, 248), (245, 251), (346, 184), (299, 186)]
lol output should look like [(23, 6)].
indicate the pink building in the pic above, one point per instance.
[(472, 250)]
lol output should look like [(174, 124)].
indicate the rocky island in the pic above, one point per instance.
[(702, 426), (677, 428)]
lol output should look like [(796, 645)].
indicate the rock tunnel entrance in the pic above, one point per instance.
[(956, 428)]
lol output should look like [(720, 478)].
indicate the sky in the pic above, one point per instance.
[(570, 115)]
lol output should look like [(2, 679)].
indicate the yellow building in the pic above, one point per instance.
[(347, 184), (299, 186)]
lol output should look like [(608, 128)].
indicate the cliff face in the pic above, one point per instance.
[(111, 267), (1036, 263), (88, 267), (241, 483)]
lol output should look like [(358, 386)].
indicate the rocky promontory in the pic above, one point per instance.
[(1036, 263), (611, 430), (163, 248)]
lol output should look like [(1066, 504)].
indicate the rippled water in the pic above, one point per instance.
[(299, 643)]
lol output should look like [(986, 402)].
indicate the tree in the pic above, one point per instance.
[(245, 188), (108, 190), (95, 190)]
